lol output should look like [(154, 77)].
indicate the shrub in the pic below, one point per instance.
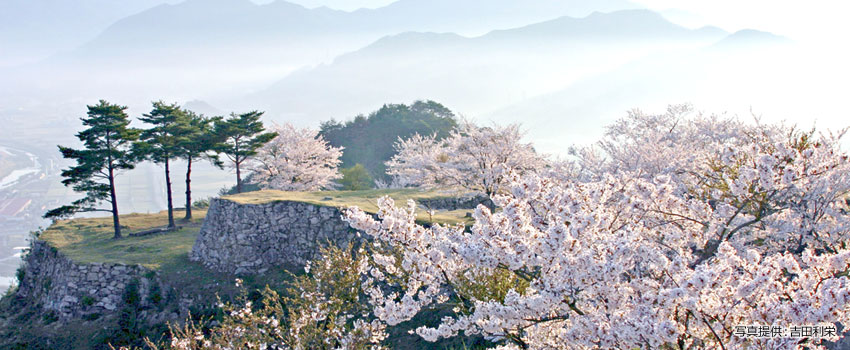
[(50, 317), (323, 309), (202, 203), (356, 178), (21, 272)]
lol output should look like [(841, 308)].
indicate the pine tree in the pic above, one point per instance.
[(162, 142), (196, 145), (241, 135), (107, 149)]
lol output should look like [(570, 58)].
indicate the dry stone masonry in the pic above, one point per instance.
[(74, 290), (468, 201), (253, 238)]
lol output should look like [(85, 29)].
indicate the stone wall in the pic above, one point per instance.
[(73, 290), (469, 201), (252, 238)]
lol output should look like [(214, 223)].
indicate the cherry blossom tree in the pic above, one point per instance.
[(296, 160), (321, 309), (693, 226), (472, 157)]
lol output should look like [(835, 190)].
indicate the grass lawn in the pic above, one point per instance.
[(90, 240), (366, 200)]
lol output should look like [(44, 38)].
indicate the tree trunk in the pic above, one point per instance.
[(489, 201), (188, 189), (168, 193), (115, 222), (238, 179)]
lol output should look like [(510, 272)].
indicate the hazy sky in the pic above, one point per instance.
[(348, 5), (819, 21), (814, 20)]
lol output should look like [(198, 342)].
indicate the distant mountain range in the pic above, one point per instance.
[(285, 33), (229, 47), (477, 75), (543, 62)]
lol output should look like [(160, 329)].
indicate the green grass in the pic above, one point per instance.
[(90, 240), (366, 200)]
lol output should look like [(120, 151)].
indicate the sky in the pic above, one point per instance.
[(347, 5), (815, 21)]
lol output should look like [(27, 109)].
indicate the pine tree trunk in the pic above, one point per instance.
[(115, 222), (238, 179), (188, 189), (168, 193)]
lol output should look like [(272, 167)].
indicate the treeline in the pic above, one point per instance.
[(369, 140), (110, 145), (348, 156)]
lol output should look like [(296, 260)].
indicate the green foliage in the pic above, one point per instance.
[(129, 330), (202, 203), (199, 142), (107, 149), (241, 135), (131, 296), (200, 138), (333, 289), (170, 130), (370, 140), (491, 285), (155, 296), (91, 316), (356, 178), (317, 311), (164, 141), (21, 272), (49, 317), (13, 288), (87, 300), (247, 186)]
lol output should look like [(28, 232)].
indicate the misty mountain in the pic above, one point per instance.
[(202, 107), (601, 27), (476, 17), (748, 39), (33, 29), (240, 32), (196, 48), (476, 75)]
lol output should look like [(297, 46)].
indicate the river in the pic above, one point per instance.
[(16, 175)]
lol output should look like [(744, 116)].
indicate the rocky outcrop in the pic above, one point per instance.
[(252, 238), (74, 290)]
